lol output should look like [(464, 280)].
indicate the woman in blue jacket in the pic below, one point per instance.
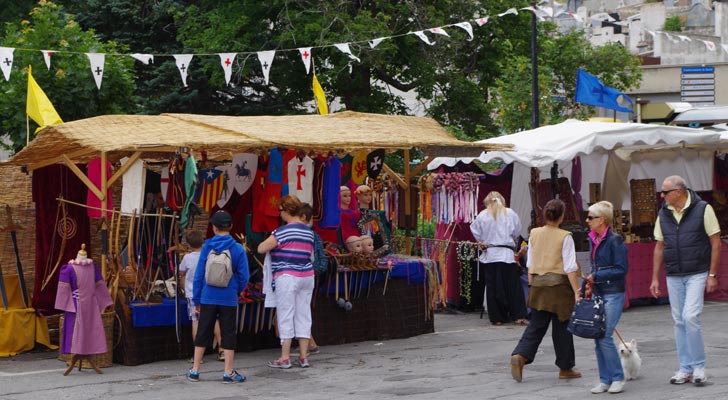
[(608, 273)]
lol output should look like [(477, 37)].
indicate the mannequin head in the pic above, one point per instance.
[(364, 196), (82, 255), (345, 194), (353, 244), (367, 244)]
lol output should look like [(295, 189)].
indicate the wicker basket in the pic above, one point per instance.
[(104, 360)]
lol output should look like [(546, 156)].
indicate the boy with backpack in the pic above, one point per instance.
[(187, 267), (221, 274)]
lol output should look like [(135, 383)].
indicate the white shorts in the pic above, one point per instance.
[(191, 310), (293, 308)]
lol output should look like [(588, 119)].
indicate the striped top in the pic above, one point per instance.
[(292, 256)]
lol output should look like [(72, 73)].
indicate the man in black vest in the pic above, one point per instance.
[(688, 241)]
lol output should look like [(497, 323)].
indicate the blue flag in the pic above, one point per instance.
[(589, 90)]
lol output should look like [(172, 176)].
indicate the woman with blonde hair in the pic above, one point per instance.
[(608, 271), (497, 228)]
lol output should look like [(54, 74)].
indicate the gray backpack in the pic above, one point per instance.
[(218, 268)]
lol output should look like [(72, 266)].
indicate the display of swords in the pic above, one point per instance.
[(354, 273), (12, 227)]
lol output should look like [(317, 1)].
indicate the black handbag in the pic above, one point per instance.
[(587, 319)]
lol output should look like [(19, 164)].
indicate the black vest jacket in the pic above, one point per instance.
[(687, 246)]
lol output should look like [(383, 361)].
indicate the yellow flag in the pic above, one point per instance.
[(38, 107), (318, 92)]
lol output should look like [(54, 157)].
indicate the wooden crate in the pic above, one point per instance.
[(644, 207)]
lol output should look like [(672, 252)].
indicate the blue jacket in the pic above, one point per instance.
[(609, 264), (227, 296)]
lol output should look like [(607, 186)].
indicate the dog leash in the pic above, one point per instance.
[(620, 337)]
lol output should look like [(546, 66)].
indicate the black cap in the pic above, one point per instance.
[(221, 219)]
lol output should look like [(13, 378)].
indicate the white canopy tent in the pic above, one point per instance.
[(610, 153)]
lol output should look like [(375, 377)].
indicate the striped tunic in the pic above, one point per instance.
[(292, 256)]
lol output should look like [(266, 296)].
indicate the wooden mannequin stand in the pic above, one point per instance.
[(80, 358)]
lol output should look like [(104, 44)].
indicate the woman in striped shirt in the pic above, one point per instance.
[(290, 247)]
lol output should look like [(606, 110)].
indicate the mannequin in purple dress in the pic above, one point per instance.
[(349, 217), (82, 295)]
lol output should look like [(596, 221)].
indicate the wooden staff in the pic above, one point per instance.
[(13, 228), (386, 281)]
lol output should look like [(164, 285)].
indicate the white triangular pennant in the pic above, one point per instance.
[(306, 57), (183, 65), (576, 17), (47, 57), (266, 59), (467, 27), (482, 21), (684, 38), (509, 11), (546, 10), (344, 48), (226, 61), (6, 60), (97, 67), (709, 45), (532, 9), (671, 38), (651, 33), (375, 42), (438, 31), (423, 37), (144, 58)]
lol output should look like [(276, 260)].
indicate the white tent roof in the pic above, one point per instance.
[(562, 142)]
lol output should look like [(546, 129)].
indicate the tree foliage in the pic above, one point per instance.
[(559, 58), (476, 88), (69, 84)]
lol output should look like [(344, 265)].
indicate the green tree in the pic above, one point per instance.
[(69, 83), (559, 58), (672, 24)]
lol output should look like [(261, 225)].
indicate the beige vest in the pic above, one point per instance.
[(546, 245)]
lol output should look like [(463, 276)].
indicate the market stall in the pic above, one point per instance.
[(132, 242), (607, 161)]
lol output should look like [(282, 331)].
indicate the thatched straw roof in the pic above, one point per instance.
[(119, 135)]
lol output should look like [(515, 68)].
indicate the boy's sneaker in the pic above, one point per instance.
[(193, 376), (282, 364), (233, 378), (680, 378), (699, 376), (302, 362)]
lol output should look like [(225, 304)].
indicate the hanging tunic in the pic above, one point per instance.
[(300, 179), (83, 295)]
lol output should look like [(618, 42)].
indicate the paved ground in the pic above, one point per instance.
[(466, 358)]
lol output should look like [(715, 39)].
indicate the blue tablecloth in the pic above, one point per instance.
[(157, 314), (412, 269)]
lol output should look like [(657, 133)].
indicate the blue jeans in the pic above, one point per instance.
[(610, 368), (686, 304)]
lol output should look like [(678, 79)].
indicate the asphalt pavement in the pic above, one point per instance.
[(466, 358)]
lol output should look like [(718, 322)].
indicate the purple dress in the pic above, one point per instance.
[(83, 295)]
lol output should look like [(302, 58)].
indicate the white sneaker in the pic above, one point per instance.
[(699, 376), (616, 387), (680, 377), (600, 388)]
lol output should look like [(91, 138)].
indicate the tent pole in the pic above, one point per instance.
[(407, 202), (104, 203)]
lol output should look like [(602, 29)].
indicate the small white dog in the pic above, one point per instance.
[(631, 361)]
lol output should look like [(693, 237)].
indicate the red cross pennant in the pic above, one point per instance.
[(227, 62), (305, 54)]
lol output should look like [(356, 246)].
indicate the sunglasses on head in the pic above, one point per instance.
[(591, 217), (666, 192)]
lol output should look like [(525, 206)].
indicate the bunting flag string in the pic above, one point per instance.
[(306, 53)]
